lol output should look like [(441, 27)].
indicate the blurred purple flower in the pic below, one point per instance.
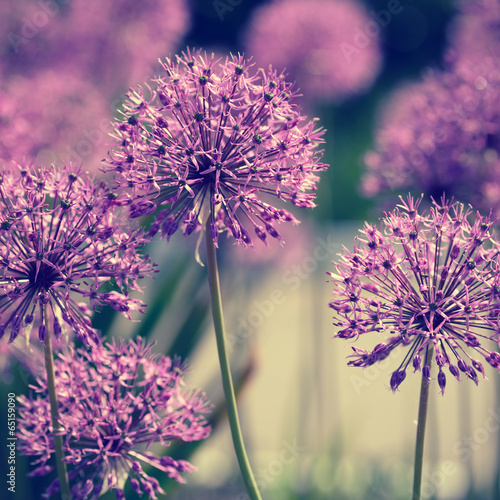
[(211, 141), (474, 36), (431, 280), (440, 135), (20, 361), (113, 44), (52, 116), (325, 45), (114, 403), (59, 240)]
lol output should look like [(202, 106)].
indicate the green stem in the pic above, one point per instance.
[(422, 418), (227, 382), (54, 405)]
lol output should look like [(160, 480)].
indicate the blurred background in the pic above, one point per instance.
[(314, 428)]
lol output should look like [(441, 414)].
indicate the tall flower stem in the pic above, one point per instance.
[(422, 419), (227, 381), (54, 405)]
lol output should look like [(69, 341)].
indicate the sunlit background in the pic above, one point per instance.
[(314, 428)]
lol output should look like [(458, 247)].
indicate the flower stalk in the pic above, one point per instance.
[(54, 405), (422, 420), (227, 381)]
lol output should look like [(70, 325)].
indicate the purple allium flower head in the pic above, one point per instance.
[(212, 140), (327, 46), (113, 44), (430, 280), (60, 242), (440, 135), (474, 50), (52, 116), (114, 403), (18, 361)]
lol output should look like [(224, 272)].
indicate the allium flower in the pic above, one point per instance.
[(112, 44), (60, 242), (431, 281), (18, 361), (213, 141), (114, 403), (53, 117), (475, 40), (440, 135), (327, 46)]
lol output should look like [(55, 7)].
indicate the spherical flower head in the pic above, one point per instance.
[(62, 246), (215, 140), (114, 403), (327, 46), (474, 36), (439, 135), (52, 116), (429, 280), (112, 44)]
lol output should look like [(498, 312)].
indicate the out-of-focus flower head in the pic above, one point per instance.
[(114, 403), (432, 282), (214, 140), (439, 135), (60, 242), (112, 44), (474, 36), (19, 361), (327, 46), (52, 116)]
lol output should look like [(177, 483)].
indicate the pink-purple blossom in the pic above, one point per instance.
[(428, 283), (52, 116), (112, 44), (328, 47), (64, 246), (474, 36), (115, 401), (439, 135), (216, 140)]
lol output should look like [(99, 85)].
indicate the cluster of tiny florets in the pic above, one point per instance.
[(431, 281), (64, 250), (441, 135), (318, 44), (114, 402), (212, 142)]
